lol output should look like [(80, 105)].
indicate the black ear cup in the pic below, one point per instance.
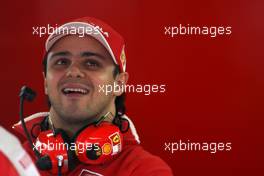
[(94, 153), (44, 163)]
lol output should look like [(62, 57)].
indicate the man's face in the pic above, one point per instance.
[(76, 66)]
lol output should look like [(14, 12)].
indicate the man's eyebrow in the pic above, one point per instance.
[(88, 54), (61, 53)]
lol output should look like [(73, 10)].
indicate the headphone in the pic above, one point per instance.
[(93, 144)]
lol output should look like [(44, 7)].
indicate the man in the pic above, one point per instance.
[(77, 65)]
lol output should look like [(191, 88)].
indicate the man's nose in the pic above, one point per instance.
[(75, 71)]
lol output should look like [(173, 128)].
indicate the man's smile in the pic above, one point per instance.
[(74, 89)]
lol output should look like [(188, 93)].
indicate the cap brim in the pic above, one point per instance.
[(73, 28)]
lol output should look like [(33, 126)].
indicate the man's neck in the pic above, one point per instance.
[(72, 128)]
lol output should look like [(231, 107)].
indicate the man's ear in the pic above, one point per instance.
[(45, 83), (121, 80)]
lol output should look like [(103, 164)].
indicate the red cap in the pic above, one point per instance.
[(105, 34)]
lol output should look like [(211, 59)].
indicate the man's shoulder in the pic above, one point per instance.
[(31, 122)]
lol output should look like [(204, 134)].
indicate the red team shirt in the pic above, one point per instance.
[(132, 161)]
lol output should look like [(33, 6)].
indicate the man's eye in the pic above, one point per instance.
[(61, 62), (93, 64)]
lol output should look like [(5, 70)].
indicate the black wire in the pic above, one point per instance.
[(59, 170), (25, 128)]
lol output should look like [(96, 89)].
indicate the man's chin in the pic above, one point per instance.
[(71, 117)]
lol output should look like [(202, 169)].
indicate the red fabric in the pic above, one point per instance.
[(7, 166), (133, 161)]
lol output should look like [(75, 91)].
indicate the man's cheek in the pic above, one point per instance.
[(53, 80), (104, 88), (96, 84), (52, 89)]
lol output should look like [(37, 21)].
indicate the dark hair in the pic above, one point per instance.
[(119, 101)]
